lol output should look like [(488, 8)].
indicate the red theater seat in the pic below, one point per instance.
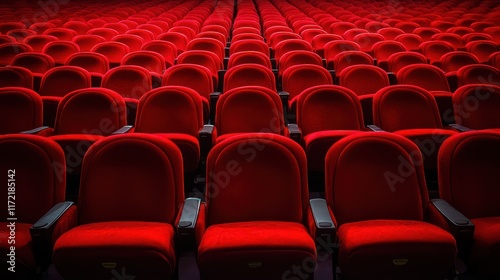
[(325, 114), (365, 81), (121, 174), (468, 173), (270, 231), (14, 76), (181, 109), (412, 112), (60, 51), (390, 235), (249, 75), (21, 109), (476, 106), (34, 157), (9, 50), (131, 82), (56, 83)]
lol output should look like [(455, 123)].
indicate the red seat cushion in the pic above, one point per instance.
[(485, 253), (396, 249), (248, 250), (92, 251)]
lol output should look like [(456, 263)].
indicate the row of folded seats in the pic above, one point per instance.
[(256, 220)]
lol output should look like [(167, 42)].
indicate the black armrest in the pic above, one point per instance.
[(187, 223), (273, 63), (226, 51), (322, 219), (284, 96), (221, 74), (332, 74), (392, 78), (461, 227), (206, 139), (35, 130), (295, 133), (214, 97), (41, 232), (124, 129), (460, 128), (324, 62), (375, 128)]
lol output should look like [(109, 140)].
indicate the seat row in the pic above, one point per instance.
[(325, 114), (132, 215)]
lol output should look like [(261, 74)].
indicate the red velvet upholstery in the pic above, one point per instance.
[(280, 36), (193, 76), (433, 50), (204, 58), (15, 76), (9, 50), (181, 109), (482, 49), (39, 184), (430, 78), (255, 240), (178, 39), (453, 61), (35, 62), (152, 61), (106, 33), (349, 58), (249, 75), (84, 117), (476, 106), (367, 40), (300, 77), (319, 42), (249, 45), (87, 42), (56, 83), (131, 82), (38, 42), (478, 74), (381, 212), (365, 81), (207, 44), (114, 51), (411, 112), (134, 42), (291, 45), (60, 51), (298, 57), (249, 57), (410, 41), (61, 33), (167, 49), (95, 63), (235, 112), (468, 176), (384, 49), (325, 114), (20, 110), (121, 175)]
